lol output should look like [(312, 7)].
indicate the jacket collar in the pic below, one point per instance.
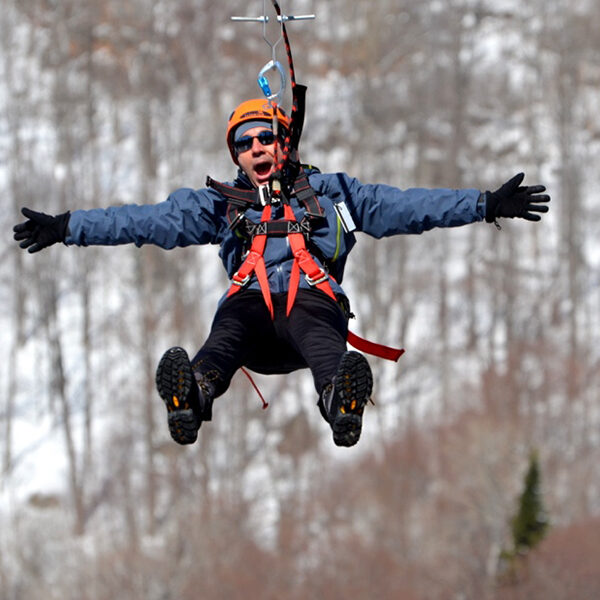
[(242, 180)]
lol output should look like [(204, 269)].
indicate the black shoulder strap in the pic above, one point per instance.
[(306, 195), (239, 196)]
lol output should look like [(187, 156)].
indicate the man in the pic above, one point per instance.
[(285, 254)]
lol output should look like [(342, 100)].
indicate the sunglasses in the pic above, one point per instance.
[(266, 138)]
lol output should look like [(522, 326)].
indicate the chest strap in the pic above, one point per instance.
[(279, 228)]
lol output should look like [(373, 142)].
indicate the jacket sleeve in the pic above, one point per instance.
[(186, 217), (383, 210)]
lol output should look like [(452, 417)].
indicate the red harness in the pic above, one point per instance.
[(303, 261), (316, 276)]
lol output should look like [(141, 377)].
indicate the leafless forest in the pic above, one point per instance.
[(106, 102)]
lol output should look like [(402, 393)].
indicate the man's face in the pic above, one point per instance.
[(257, 161)]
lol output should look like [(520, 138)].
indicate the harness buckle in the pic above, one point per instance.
[(235, 280), (264, 194), (321, 277)]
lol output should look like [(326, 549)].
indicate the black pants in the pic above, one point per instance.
[(243, 334)]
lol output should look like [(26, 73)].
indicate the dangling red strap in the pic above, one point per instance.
[(265, 404), (373, 348)]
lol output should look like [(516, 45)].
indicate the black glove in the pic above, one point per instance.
[(516, 200), (41, 230)]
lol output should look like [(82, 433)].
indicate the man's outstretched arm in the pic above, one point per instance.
[(186, 217)]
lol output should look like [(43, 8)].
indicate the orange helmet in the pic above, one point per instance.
[(253, 110)]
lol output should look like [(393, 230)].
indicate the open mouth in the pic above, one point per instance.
[(263, 169)]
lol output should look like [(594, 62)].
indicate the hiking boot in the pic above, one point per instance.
[(345, 398), (187, 403)]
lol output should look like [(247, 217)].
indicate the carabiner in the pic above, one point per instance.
[(263, 82)]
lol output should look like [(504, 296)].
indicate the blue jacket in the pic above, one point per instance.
[(199, 217)]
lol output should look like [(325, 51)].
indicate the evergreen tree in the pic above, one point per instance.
[(530, 524)]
